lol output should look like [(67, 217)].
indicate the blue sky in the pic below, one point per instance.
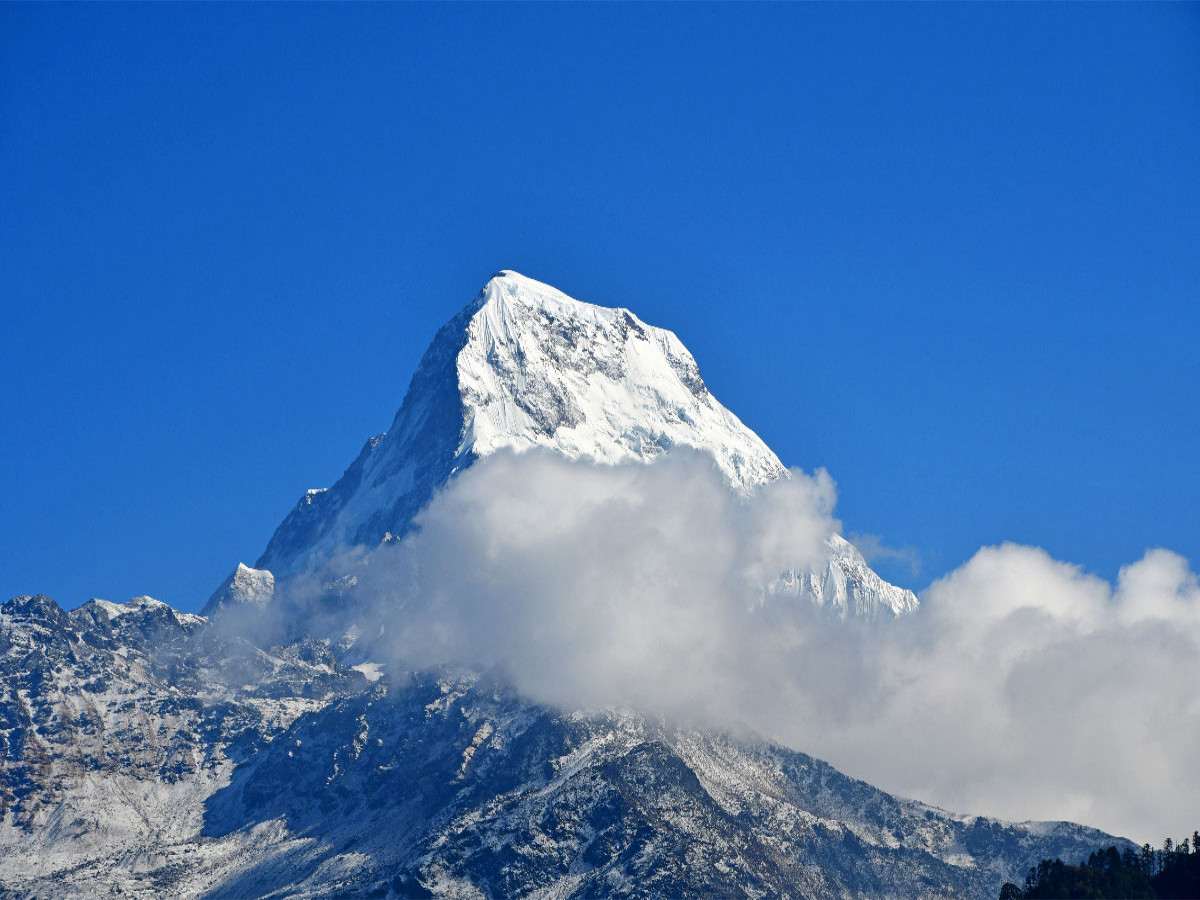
[(948, 252)]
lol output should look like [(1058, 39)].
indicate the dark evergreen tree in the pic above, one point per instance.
[(1147, 860), (1172, 873), (1179, 878)]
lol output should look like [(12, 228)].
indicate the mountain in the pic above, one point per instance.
[(524, 365), (146, 752)]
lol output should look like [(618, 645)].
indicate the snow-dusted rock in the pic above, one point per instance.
[(135, 691), (445, 784)]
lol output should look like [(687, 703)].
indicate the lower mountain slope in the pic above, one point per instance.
[(453, 784), (148, 753)]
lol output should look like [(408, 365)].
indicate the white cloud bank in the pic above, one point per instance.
[(1022, 688)]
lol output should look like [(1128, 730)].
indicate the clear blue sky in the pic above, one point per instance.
[(949, 252)]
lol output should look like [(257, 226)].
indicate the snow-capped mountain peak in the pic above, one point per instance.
[(523, 366)]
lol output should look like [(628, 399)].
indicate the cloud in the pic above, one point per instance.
[(873, 548), (1023, 687), (596, 585), (1028, 689)]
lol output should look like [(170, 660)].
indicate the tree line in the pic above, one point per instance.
[(1172, 873)]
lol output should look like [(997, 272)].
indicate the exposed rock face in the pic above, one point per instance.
[(514, 800)]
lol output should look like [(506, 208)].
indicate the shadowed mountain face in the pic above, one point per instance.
[(155, 753), (452, 781)]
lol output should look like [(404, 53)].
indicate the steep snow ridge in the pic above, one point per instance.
[(523, 366)]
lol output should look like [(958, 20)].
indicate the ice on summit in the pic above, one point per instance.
[(523, 366)]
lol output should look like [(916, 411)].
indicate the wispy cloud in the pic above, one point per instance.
[(874, 549)]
